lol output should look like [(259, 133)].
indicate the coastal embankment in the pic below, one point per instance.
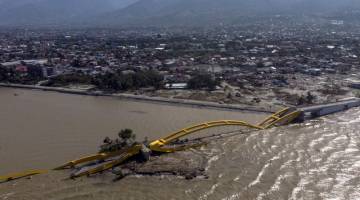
[(185, 102)]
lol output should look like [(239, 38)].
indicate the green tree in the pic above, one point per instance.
[(127, 137), (310, 98), (118, 81), (202, 81), (66, 79), (4, 74), (126, 134)]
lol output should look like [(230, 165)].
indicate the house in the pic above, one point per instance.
[(354, 84), (176, 86), (21, 69)]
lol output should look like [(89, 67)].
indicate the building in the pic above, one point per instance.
[(176, 86)]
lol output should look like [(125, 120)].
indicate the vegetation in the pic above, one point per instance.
[(308, 99), (126, 139), (119, 81), (63, 80), (357, 94), (4, 74), (32, 76), (202, 81), (126, 135)]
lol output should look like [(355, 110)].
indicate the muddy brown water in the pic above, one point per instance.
[(319, 159)]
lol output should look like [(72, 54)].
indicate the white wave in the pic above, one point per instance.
[(208, 193), (261, 173)]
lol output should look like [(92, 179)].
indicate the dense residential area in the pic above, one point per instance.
[(260, 65)]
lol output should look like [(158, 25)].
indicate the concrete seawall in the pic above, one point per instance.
[(185, 102)]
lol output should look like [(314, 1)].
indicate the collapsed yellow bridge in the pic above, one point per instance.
[(163, 145)]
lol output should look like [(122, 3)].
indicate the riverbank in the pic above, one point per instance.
[(184, 102)]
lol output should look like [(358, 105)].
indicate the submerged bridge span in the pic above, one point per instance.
[(109, 160)]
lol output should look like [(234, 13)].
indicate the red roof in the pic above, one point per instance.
[(21, 68)]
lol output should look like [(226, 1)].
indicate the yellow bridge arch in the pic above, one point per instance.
[(283, 117)]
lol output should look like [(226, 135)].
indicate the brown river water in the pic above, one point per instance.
[(319, 159)]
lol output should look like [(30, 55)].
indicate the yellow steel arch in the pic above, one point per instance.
[(90, 158), (73, 163), (14, 176), (158, 145), (282, 117), (130, 152)]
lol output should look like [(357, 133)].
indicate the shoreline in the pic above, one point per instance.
[(184, 102)]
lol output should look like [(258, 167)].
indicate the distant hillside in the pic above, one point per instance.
[(200, 12), (183, 12), (163, 12), (42, 12)]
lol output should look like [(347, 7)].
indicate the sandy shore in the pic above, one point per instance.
[(186, 102)]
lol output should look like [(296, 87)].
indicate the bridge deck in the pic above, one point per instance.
[(326, 109)]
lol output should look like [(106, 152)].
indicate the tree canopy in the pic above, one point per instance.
[(202, 81), (120, 81)]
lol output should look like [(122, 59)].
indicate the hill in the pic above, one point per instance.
[(164, 12), (49, 12)]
